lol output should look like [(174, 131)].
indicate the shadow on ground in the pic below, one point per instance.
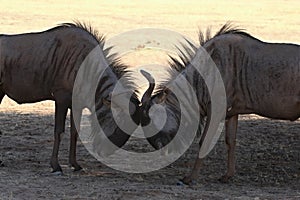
[(268, 165)]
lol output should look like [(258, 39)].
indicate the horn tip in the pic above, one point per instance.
[(147, 75)]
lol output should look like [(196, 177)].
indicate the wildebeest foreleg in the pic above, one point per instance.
[(62, 103), (1, 97), (73, 142), (195, 172), (230, 139), (199, 161)]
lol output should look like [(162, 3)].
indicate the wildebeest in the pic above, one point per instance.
[(259, 78), (43, 66)]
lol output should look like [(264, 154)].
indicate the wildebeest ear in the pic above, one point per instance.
[(164, 95)]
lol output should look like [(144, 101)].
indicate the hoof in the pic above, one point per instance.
[(57, 173), (224, 179), (75, 167), (180, 183), (186, 181), (78, 169)]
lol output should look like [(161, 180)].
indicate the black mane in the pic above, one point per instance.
[(178, 64), (227, 28), (120, 69)]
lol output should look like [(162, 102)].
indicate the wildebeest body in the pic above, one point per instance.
[(43, 66), (260, 78), (48, 61)]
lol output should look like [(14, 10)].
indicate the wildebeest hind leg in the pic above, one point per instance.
[(1, 97), (61, 107), (2, 94), (230, 138), (73, 142)]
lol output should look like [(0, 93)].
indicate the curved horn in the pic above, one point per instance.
[(147, 95)]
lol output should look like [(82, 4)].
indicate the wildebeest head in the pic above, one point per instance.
[(106, 88), (117, 111), (160, 114), (169, 110)]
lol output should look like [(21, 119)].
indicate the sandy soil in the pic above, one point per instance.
[(268, 151)]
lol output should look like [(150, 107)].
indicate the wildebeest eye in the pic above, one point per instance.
[(106, 102)]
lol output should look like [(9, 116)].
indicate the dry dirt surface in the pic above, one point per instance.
[(268, 151)]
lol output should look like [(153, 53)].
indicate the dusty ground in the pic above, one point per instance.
[(268, 151)]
